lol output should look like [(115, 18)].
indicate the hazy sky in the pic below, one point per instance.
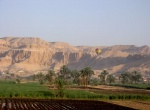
[(78, 22)]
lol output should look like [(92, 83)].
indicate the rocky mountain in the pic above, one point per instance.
[(28, 55)]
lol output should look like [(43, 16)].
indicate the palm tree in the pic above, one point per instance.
[(89, 73), (64, 73), (86, 73), (102, 76), (95, 81), (60, 87), (83, 75), (135, 76), (110, 78), (75, 74), (33, 77), (40, 76), (50, 76), (125, 77)]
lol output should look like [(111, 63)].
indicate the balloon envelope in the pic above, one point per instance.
[(98, 51)]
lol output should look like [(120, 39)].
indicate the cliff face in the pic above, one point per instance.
[(34, 54)]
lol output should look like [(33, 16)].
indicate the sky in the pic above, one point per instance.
[(78, 22)]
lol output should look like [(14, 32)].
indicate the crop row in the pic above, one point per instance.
[(53, 104)]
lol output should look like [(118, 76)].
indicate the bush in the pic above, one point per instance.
[(41, 82), (112, 97), (12, 82), (18, 80)]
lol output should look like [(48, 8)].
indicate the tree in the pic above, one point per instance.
[(33, 77), (83, 75), (86, 73), (60, 87), (64, 73), (102, 76), (75, 74), (135, 76), (18, 80), (110, 78), (94, 81), (125, 77), (89, 72), (40, 76), (50, 76)]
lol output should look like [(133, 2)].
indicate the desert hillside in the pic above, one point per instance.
[(30, 55)]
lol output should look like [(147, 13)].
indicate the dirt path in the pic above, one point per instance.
[(103, 89), (140, 105)]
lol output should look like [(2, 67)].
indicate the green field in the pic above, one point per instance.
[(10, 89), (29, 90)]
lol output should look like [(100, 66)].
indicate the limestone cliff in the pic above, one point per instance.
[(34, 54)]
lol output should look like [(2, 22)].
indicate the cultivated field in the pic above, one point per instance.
[(134, 98), (57, 104)]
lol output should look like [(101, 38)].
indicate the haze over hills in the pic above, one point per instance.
[(31, 55)]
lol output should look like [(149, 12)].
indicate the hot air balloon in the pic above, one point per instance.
[(98, 51)]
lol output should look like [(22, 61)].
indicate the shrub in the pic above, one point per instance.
[(12, 82)]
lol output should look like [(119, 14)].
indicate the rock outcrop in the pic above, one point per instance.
[(34, 54)]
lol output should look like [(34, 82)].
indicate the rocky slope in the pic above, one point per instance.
[(34, 54)]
